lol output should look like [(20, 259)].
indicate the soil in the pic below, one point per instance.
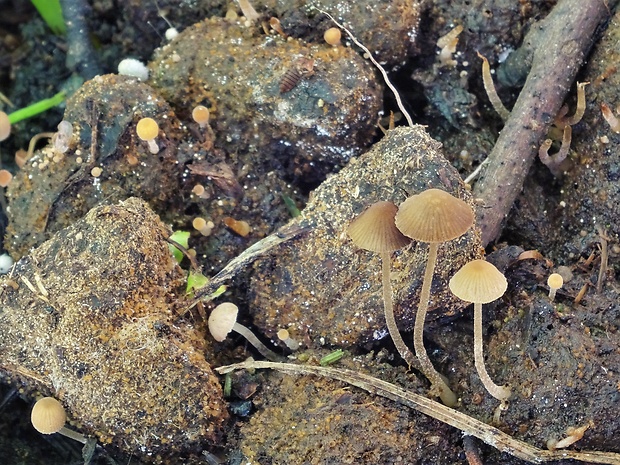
[(275, 146)]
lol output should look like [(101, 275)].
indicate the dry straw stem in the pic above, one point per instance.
[(376, 63), (468, 425), (564, 38)]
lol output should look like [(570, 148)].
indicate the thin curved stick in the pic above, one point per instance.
[(468, 425)]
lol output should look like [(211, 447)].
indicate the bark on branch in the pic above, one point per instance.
[(564, 38)]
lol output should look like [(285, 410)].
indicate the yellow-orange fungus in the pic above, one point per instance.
[(5, 178), (198, 189), (201, 115), (332, 36), (240, 227), (147, 129), (21, 157), (199, 223)]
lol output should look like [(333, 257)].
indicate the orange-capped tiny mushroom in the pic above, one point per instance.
[(148, 130), (374, 230), (203, 226), (21, 157), (555, 282), (332, 36), (5, 178), (201, 115), (433, 216), (48, 416), (238, 226), (480, 282)]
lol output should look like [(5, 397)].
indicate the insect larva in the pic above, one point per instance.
[(300, 69)]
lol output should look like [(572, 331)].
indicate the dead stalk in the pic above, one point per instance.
[(468, 425)]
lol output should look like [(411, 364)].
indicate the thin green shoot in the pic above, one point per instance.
[(51, 12), (195, 281), (331, 358), (181, 237), (290, 206), (227, 385), (37, 108)]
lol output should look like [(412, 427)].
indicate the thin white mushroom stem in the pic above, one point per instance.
[(153, 147), (390, 321), (443, 390), (258, 345), (73, 435), (499, 392)]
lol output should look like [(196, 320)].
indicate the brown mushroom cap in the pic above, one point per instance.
[(222, 319), (434, 216), (48, 416), (478, 281), (374, 229)]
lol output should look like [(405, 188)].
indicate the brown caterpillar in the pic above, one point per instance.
[(300, 69)]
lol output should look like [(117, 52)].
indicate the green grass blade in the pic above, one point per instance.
[(51, 12)]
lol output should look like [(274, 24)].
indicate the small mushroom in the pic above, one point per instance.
[(433, 216), (555, 282), (480, 282), (5, 126), (223, 320), (148, 130), (48, 417), (374, 230), (332, 36), (201, 114)]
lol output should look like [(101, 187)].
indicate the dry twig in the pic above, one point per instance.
[(468, 425)]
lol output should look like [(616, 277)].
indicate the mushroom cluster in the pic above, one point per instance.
[(433, 216)]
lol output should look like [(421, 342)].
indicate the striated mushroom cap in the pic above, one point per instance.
[(48, 416), (222, 319), (479, 282), (434, 216), (374, 229)]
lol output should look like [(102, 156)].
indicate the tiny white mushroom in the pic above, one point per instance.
[(223, 320)]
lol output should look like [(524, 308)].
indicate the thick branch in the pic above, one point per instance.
[(565, 37)]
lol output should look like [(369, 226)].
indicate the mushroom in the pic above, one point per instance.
[(332, 36), (5, 126), (147, 130), (48, 417), (555, 282), (5, 178), (433, 216), (223, 320), (201, 114), (374, 230), (480, 282)]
